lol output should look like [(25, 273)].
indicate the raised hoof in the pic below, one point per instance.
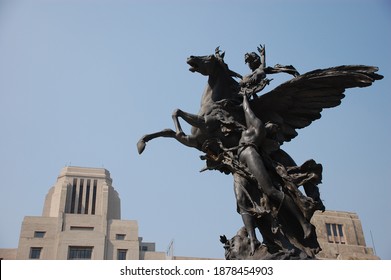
[(141, 146)]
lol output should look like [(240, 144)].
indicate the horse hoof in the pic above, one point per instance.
[(140, 146)]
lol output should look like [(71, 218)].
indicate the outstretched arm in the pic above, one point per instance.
[(251, 119), (262, 52)]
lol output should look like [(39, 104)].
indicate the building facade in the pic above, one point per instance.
[(81, 219), (341, 236)]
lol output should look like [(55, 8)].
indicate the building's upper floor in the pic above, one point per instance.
[(81, 190)]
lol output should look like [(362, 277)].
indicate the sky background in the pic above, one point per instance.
[(82, 81)]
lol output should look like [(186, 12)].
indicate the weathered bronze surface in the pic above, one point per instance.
[(241, 133)]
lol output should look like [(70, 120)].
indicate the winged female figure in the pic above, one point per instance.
[(291, 106), (243, 136)]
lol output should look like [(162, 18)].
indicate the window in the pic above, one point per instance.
[(82, 228), (80, 202), (144, 248), (79, 253), (120, 236), (94, 189), (39, 234), (87, 196), (335, 233), (73, 199), (35, 252), (121, 254)]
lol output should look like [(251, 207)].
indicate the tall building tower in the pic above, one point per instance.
[(81, 220)]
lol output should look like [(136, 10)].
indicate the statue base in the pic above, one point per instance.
[(239, 248)]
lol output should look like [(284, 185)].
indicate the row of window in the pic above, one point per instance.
[(335, 233), (41, 234), (77, 253), (83, 196)]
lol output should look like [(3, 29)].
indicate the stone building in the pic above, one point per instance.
[(340, 236), (81, 219)]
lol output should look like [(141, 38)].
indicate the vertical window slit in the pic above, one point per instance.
[(87, 196), (94, 197), (73, 195), (80, 202)]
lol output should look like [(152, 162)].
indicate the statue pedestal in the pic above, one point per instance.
[(239, 248)]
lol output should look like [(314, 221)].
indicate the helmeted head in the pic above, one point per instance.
[(253, 60)]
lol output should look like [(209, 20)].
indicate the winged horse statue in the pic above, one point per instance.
[(241, 133)]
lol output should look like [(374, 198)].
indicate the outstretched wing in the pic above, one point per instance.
[(297, 103)]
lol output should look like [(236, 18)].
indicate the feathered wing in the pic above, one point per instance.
[(297, 103)]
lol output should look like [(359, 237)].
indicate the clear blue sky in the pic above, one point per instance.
[(82, 81)]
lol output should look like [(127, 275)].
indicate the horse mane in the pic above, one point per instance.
[(220, 58)]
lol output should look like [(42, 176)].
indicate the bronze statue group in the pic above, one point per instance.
[(241, 133)]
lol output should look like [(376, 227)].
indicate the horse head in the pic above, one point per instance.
[(209, 65), (205, 65)]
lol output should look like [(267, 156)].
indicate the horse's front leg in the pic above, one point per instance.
[(143, 141), (187, 140), (196, 121)]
